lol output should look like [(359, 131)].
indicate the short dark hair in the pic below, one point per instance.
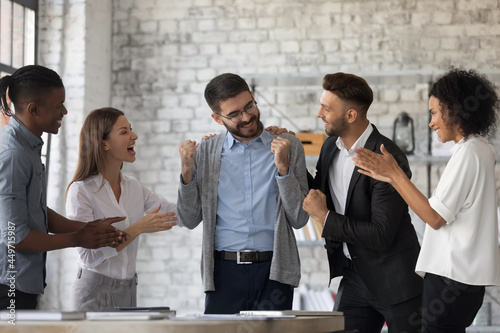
[(223, 87), (471, 100), (27, 83), (350, 88)]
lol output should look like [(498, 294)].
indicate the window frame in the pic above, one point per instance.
[(10, 69)]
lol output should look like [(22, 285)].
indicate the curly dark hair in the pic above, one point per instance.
[(471, 100)]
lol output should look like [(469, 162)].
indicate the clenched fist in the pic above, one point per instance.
[(187, 151), (281, 149), (315, 205)]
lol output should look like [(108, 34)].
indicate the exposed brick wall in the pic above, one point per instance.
[(58, 20), (164, 52)]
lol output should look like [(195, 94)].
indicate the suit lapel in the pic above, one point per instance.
[(370, 144), (334, 150)]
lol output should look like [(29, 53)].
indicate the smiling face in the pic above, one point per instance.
[(119, 145), (248, 128), (50, 111), (438, 115), (333, 113)]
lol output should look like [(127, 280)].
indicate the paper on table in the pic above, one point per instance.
[(164, 310), (141, 308), (221, 317), (39, 315), (126, 315), (294, 313)]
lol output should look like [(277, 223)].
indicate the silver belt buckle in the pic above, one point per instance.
[(238, 258)]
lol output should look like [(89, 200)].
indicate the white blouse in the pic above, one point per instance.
[(91, 199), (466, 248)]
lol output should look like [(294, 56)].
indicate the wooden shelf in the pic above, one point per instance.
[(312, 142)]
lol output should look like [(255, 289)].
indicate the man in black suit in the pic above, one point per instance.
[(370, 240)]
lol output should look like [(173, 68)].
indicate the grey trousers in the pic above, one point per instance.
[(95, 292)]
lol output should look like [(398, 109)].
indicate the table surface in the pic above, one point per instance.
[(304, 324)]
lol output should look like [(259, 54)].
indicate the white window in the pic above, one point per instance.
[(18, 40)]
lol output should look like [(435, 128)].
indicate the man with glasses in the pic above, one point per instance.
[(247, 186)]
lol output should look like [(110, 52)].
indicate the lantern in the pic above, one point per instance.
[(403, 133)]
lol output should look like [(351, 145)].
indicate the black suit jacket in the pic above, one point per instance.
[(376, 227)]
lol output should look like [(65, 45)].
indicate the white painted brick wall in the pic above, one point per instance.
[(280, 36), (55, 57), (164, 53)]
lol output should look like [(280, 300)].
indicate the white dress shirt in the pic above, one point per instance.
[(466, 248), (93, 199), (340, 174)]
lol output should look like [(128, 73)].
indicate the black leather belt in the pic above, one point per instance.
[(244, 257)]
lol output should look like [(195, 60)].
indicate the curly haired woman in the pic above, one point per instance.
[(460, 254)]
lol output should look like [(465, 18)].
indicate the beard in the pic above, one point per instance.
[(239, 133), (337, 128)]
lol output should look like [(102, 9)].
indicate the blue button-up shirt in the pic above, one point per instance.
[(23, 206), (247, 195)]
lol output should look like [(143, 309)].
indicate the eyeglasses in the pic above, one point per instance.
[(236, 116)]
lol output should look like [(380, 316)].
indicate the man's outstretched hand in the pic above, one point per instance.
[(100, 233)]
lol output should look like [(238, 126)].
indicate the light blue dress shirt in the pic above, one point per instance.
[(23, 206), (247, 195)]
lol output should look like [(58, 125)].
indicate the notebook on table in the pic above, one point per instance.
[(297, 313)]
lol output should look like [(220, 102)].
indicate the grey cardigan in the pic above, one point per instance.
[(197, 201)]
